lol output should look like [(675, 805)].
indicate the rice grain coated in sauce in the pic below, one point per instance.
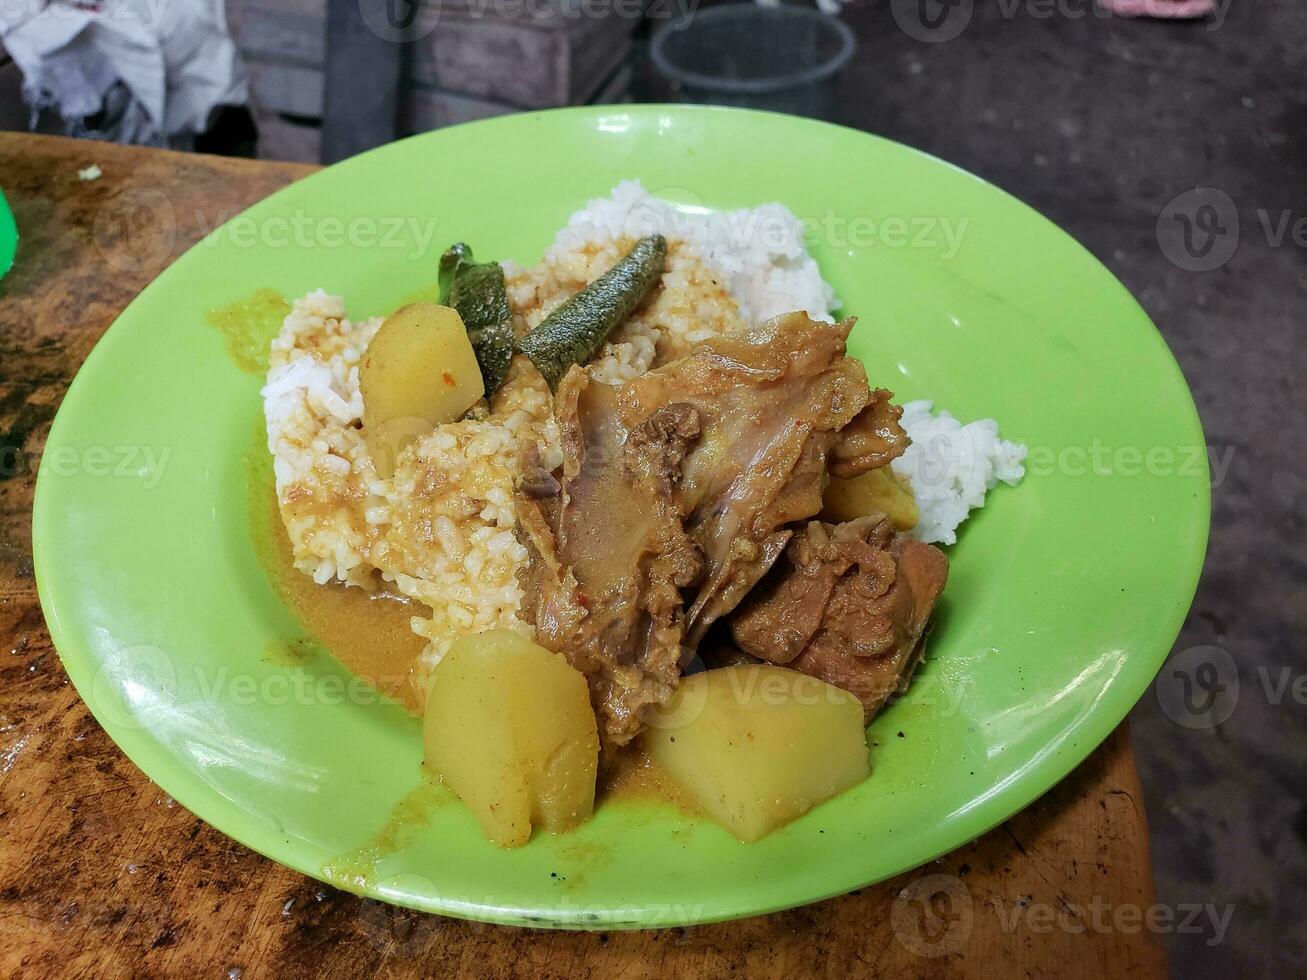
[(442, 531)]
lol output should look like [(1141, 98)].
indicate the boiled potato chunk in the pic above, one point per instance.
[(876, 491), (758, 746), (509, 728), (418, 372)]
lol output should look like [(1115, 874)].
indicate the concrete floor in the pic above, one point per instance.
[(1100, 123)]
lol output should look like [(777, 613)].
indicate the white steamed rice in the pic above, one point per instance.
[(951, 467), (759, 251)]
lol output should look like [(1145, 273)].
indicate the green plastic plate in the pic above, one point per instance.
[(8, 236), (1065, 596)]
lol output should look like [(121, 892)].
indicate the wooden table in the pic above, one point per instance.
[(101, 874)]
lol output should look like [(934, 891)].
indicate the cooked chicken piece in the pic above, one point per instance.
[(682, 482), (849, 604), (610, 553), (772, 403), (872, 440)]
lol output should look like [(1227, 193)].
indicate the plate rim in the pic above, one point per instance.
[(998, 806)]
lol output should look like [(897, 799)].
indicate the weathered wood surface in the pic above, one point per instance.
[(527, 53), (102, 875), (282, 138)]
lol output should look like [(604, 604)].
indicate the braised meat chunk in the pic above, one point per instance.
[(610, 554), (848, 604), (679, 491), (773, 402), (872, 440)]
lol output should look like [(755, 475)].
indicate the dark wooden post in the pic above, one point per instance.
[(366, 41)]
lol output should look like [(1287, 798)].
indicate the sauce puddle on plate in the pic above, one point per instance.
[(368, 633), (248, 326), (358, 869)]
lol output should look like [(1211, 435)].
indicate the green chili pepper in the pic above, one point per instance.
[(476, 290), (574, 332)]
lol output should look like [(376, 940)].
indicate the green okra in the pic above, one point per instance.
[(574, 332)]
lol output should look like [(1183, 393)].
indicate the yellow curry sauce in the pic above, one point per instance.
[(369, 635), (248, 326)]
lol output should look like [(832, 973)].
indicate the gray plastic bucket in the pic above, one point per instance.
[(786, 59)]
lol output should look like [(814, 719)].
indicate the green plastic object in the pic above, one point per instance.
[(8, 237), (1065, 594)]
